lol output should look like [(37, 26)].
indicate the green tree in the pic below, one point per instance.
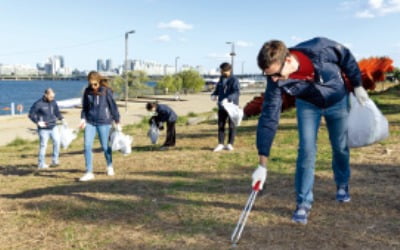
[(136, 84), (191, 81), (396, 73), (171, 83)]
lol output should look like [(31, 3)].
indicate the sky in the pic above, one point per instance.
[(196, 31)]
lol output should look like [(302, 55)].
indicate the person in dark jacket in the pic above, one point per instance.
[(45, 113), (163, 113), (99, 110), (226, 89), (312, 71)]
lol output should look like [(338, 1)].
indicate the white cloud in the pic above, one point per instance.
[(176, 24), (163, 38), (372, 8), (216, 56), (244, 44)]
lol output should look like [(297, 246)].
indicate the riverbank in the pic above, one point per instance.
[(19, 126)]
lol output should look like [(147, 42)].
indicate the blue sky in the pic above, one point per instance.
[(196, 31)]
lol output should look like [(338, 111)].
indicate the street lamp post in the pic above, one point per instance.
[(126, 68), (243, 67), (176, 64), (232, 54)]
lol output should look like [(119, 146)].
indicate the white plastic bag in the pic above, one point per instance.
[(234, 111), (67, 135), (366, 124), (121, 142), (153, 133)]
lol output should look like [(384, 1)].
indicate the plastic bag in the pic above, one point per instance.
[(366, 124), (120, 142), (234, 112), (153, 133), (67, 135)]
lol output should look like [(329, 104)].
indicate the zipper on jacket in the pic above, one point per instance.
[(97, 99)]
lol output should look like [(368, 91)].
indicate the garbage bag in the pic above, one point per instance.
[(67, 135), (234, 112), (366, 124), (120, 142), (153, 133)]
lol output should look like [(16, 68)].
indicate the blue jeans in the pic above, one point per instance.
[(90, 132), (44, 135), (308, 118)]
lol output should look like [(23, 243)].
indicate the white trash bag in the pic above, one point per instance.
[(120, 142), (234, 111), (366, 124), (153, 133), (67, 135)]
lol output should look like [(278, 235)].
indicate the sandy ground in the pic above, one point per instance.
[(20, 126)]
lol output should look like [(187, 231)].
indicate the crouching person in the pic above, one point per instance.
[(45, 113), (99, 110), (163, 113)]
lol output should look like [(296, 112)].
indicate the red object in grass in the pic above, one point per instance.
[(372, 69)]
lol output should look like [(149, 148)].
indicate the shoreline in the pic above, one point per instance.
[(19, 125)]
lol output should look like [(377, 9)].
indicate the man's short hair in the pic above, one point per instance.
[(271, 52), (225, 66), (150, 105)]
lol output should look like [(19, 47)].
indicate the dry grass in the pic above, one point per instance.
[(190, 198)]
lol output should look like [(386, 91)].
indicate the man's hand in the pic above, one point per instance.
[(259, 175), (118, 127), (41, 124), (361, 95), (214, 98), (82, 124), (64, 122)]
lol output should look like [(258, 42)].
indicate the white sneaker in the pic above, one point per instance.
[(43, 166), (87, 177), (229, 147), (110, 171), (219, 147)]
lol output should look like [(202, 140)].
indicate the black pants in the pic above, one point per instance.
[(222, 118), (171, 135)]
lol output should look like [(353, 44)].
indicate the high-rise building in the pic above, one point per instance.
[(100, 65), (109, 67)]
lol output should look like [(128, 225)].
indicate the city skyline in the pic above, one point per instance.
[(196, 32)]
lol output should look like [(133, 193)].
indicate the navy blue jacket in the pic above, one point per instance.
[(165, 114), (99, 109), (330, 59), (229, 90), (43, 110)]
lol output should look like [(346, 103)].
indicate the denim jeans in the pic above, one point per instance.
[(44, 135), (308, 118), (90, 132)]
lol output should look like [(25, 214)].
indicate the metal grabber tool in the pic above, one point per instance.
[(245, 213)]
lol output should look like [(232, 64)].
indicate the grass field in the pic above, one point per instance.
[(191, 198)]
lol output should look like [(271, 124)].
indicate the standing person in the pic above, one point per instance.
[(227, 88), (163, 113), (45, 113), (312, 72), (99, 110)]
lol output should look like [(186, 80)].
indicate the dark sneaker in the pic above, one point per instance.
[(342, 194), (300, 214)]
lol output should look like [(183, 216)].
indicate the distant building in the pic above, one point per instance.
[(109, 67), (100, 65), (18, 69)]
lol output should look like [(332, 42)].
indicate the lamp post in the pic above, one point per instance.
[(176, 64), (126, 68), (232, 54), (243, 67)]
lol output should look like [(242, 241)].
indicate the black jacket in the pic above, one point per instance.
[(165, 114), (48, 112), (99, 109), (227, 88)]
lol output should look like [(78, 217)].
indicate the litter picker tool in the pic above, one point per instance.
[(245, 214)]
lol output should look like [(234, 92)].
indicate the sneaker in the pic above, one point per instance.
[(342, 194), (229, 147), (219, 147), (300, 214), (43, 166), (87, 177), (54, 164), (110, 171)]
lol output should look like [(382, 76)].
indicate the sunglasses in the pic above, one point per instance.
[(277, 74), (94, 84)]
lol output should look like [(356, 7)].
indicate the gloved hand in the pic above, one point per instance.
[(260, 174), (64, 122), (82, 124), (214, 98), (118, 127), (225, 100), (41, 124), (361, 95)]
